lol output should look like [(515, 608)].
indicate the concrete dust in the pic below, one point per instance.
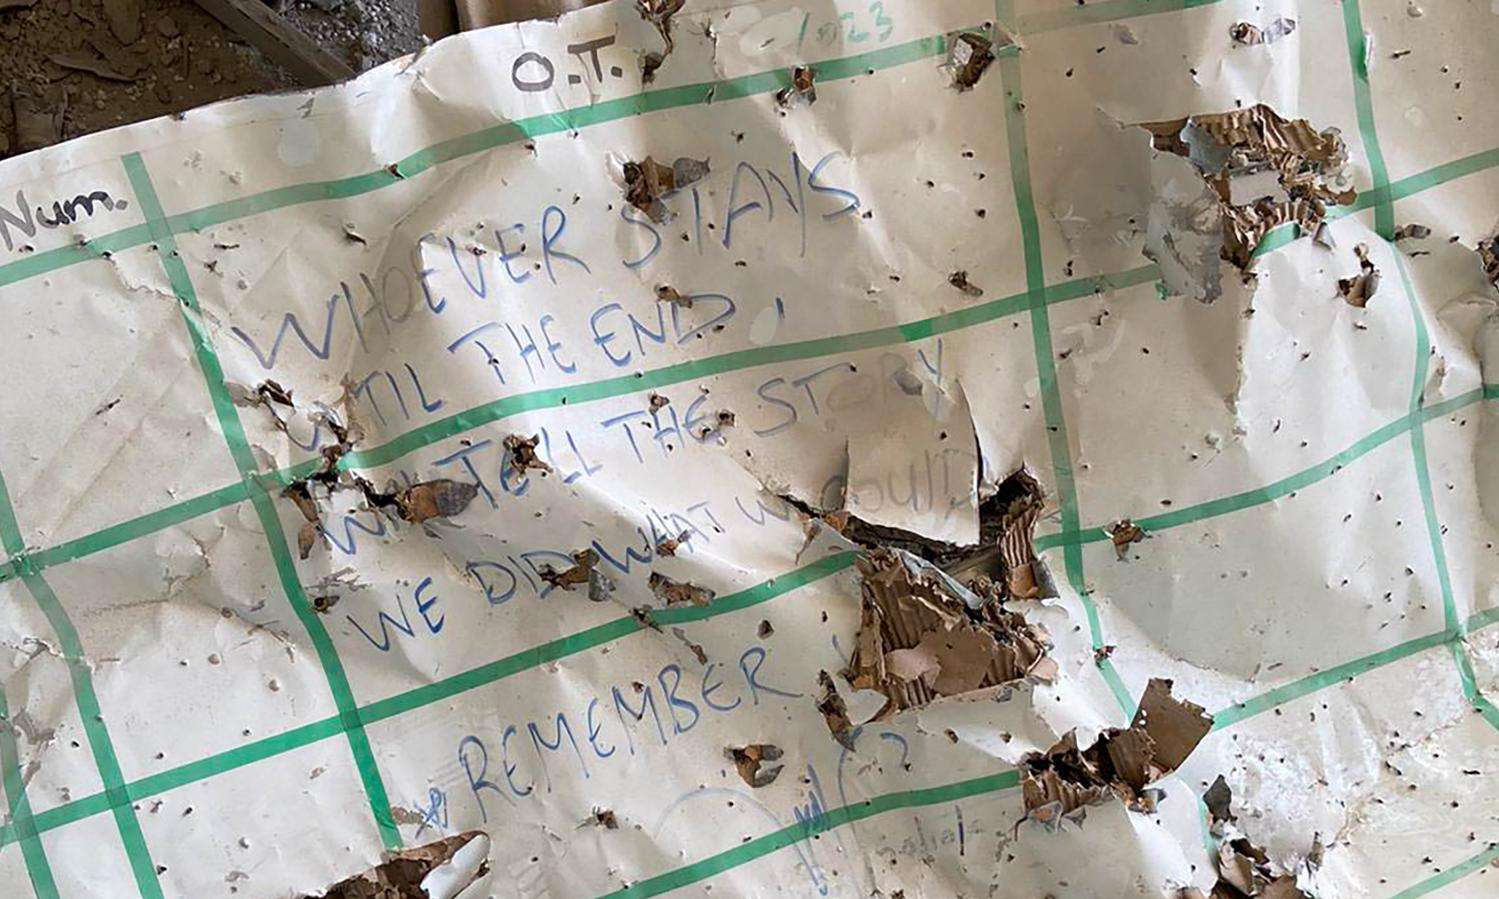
[(111, 62)]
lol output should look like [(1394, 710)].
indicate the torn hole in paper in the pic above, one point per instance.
[(1263, 170), (1122, 762)]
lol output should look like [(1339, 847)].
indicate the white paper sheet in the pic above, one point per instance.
[(440, 255)]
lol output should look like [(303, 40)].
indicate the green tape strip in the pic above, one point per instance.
[(1358, 50), (1384, 218), (994, 309), (777, 840), (38, 264), (466, 145), (87, 701), (1296, 689), (142, 525), (1447, 171), (239, 449), (447, 688), (725, 363), (1451, 875), (37, 867), (1046, 370), (1259, 496), (598, 636)]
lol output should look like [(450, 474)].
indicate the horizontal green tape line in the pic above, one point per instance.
[(1451, 875), (467, 145), (181, 776), (278, 744), (598, 636), (1433, 177), (1480, 620), (142, 525), (1249, 499), (37, 264), (724, 363), (1312, 683), (777, 840)]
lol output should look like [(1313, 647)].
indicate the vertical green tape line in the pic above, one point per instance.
[(1384, 217), (524, 660), (804, 830), (37, 867), (1358, 58), (1384, 225), (239, 448), (1450, 621), (89, 712), (1046, 369)]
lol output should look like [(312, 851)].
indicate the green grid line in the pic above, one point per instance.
[(38, 869), (777, 840), (1384, 226), (1347, 671), (239, 448), (1384, 213), (1358, 49), (1451, 875), (513, 132), (89, 713), (1046, 369), (447, 688), (1286, 486)]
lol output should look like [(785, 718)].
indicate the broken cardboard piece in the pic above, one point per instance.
[(750, 761), (1305, 164), (970, 58), (406, 873), (675, 592), (1488, 255), (648, 182), (803, 88), (1122, 762), (1249, 35), (1246, 871), (1357, 290), (923, 636), (659, 13)]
